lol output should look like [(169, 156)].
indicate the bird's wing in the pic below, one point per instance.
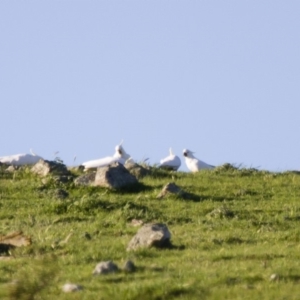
[(166, 160), (203, 165), (27, 159), (102, 162), (11, 159), (192, 164), (20, 159), (171, 160), (121, 160)]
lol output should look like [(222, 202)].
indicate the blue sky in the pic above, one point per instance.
[(218, 77)]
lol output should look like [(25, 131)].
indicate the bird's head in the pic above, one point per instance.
[(121, 152), (187, 153)]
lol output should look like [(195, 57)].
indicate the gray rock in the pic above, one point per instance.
[(151, 235), (45, 167), (86, 179), (136, 170), (114, 176), (105, 267), (129, 266)]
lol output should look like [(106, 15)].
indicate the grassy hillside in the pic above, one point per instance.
[(236, 238)]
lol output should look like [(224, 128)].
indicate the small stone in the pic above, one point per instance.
[(274, 277), (105, 267), (136, 222), (129, 266), (170, 188), (71, 287)]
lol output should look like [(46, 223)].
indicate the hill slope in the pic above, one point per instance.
[(236, 238)]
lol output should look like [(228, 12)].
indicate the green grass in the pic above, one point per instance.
[(240, 227)]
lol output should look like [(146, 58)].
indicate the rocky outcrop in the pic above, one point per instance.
[(46, 167)]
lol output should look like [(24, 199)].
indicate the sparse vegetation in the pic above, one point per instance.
[(236, 238)]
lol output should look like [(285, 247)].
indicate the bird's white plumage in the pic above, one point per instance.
[(120, 156), (194, 164), (171, 162), (20, 159), (102, 162)]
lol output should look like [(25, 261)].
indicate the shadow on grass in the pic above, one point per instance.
[(168, 245), (191, 197), (170, 292), (186, 196), (161, 173), (70, 219), (123, 276), (230, 281), (294, 278), (295, 218), (216, 198), (232, 241), (159, 292), (133, 188), (248, 257)]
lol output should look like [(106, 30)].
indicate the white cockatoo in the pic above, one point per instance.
[(171, 162), (193, 163), (120, 156), (21, 159)]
